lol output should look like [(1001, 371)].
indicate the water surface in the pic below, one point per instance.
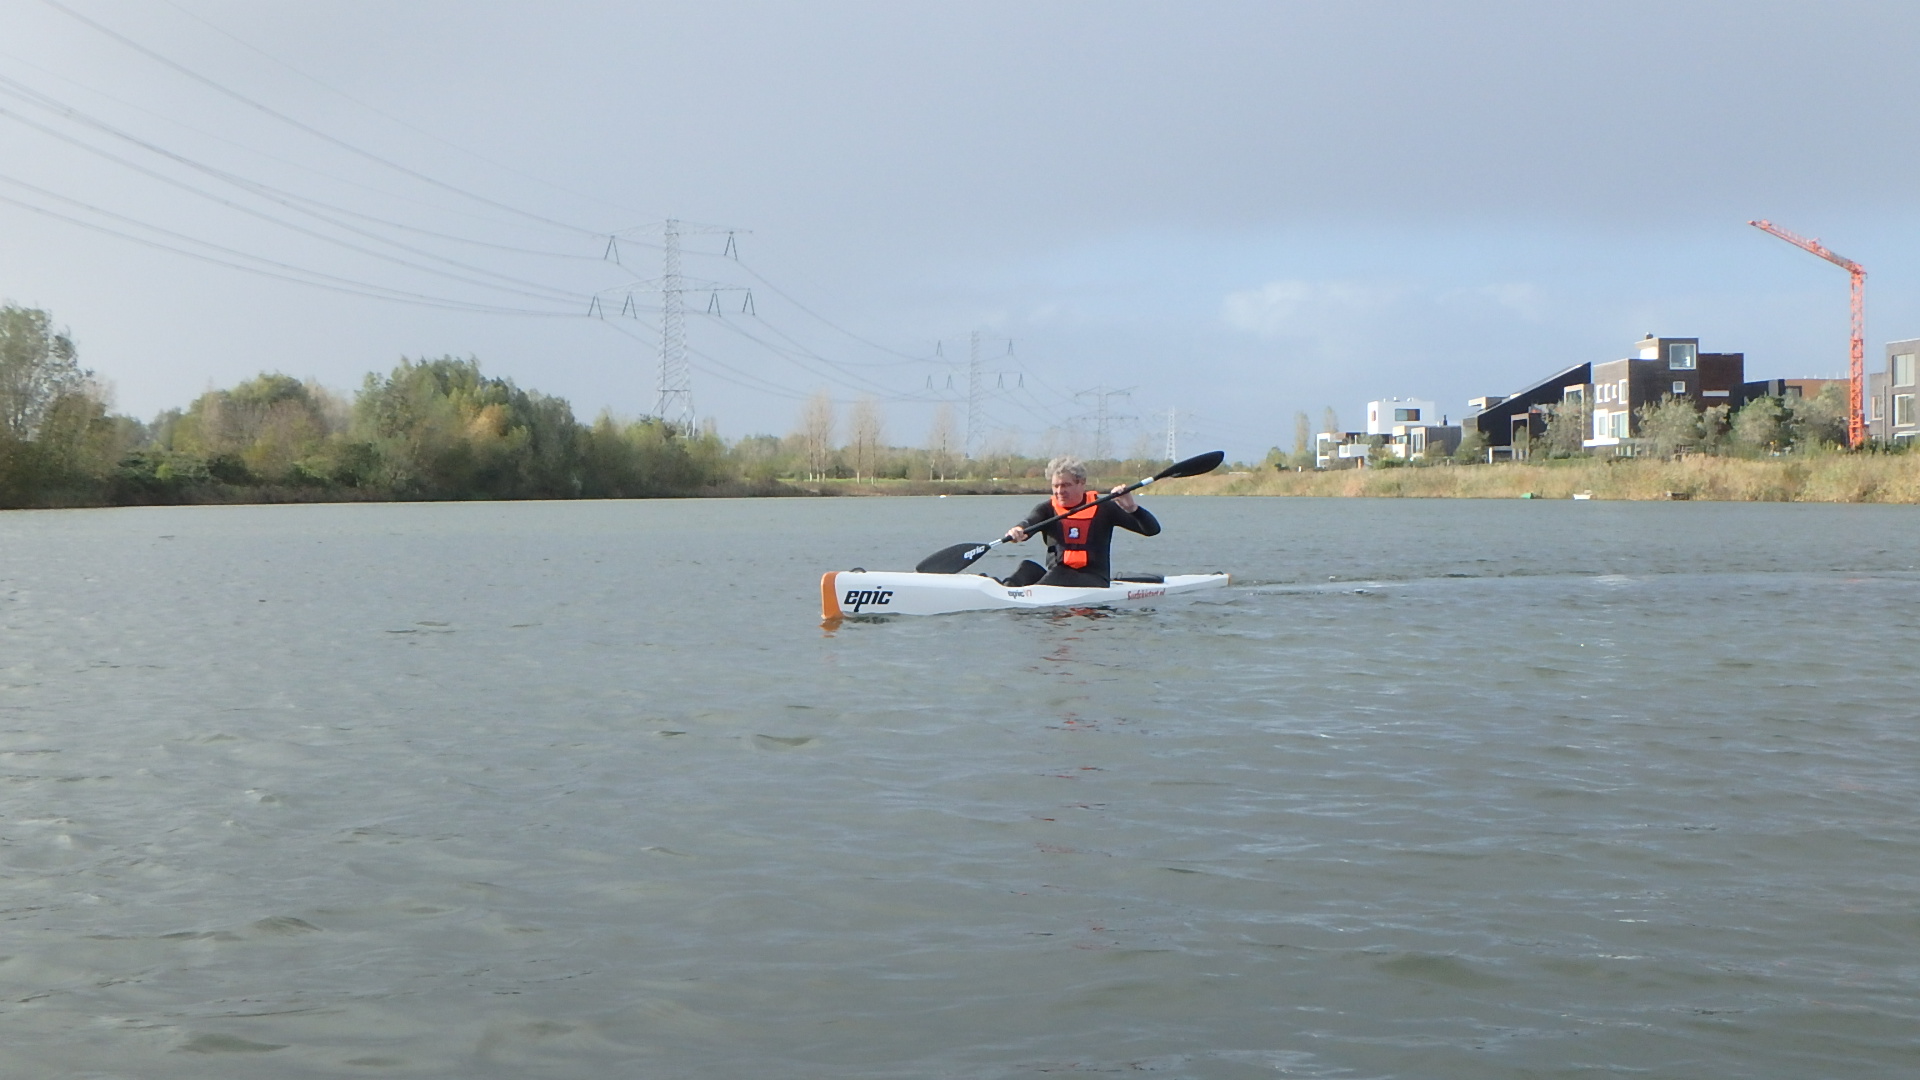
[(1438, 789)]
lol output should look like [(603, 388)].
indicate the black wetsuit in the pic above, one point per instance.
[(1098, 573)]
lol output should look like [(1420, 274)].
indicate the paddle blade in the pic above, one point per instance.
[(1194, 466), (952, 560)]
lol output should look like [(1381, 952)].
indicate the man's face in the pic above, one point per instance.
[(1068, 490)]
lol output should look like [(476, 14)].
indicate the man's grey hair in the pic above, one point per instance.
[(1067, 466)]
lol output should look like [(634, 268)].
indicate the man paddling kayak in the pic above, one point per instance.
[(1079, 545)]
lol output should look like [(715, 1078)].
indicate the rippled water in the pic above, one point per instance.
[(1438, 789)]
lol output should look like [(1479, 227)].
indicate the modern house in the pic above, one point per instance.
[(1342, 449), (1411, 428), (1510, 423), (1661, 367), (1891, 416), (1382, 415), (1613, 392), (1404, 428), (1788, 388)]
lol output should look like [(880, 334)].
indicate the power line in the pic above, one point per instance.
[(366, 289), (265, 191), (230, 204), (383, 113), (303, 126), (1102, 416), (766, 386), (906, 358), (51, 103)]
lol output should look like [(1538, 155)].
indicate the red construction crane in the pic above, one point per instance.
[(1856, 388)]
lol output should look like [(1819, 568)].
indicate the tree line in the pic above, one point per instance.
[(429, 429)]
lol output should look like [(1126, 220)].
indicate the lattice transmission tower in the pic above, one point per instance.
[(977, 391), (674, 403), (1103, 416)]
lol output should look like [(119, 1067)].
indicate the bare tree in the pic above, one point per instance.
[(869, 434), (1330, 420), (816, 433), (941, 439), (1302, 440)]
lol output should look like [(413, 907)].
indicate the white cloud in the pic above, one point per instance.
[(1521, 298), (1295, 308)]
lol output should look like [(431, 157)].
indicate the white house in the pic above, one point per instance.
[(1384, 415)]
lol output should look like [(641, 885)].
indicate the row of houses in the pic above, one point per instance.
[(1890, 394), (1613, 393)]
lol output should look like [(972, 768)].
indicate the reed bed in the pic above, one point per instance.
[(1834, 477)]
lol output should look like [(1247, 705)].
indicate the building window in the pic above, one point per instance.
[(1679, 388), (1621, 393), (1619, 425), (1873, 408), (1403, 416), (1903, 369), (1600, 426), (1680, 357), (1902, 410)]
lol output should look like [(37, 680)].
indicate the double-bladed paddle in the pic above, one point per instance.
[(960, 556)]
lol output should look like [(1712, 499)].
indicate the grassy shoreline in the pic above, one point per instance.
[(1827, 478)]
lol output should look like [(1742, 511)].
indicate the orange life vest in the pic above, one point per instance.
[(1074, 529)]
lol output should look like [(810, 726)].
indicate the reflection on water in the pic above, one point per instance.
[(1444, 789)]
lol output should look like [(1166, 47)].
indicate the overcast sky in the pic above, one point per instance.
[(1235, 211)]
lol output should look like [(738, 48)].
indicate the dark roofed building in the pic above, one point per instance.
[(1523, 414)]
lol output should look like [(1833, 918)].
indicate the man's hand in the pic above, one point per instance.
[(1125, 501), (1017, 534)]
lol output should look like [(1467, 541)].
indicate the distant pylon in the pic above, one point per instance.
[(1101, 417), (675, 401), (676, 383), (1173, 443), (973, 388)]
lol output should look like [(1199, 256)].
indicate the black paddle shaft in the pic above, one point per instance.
[(954, 559)]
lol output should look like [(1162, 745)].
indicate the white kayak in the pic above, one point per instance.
[(879, 592)]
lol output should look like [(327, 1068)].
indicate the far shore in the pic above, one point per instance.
[(1830, 477), (1824, 478)]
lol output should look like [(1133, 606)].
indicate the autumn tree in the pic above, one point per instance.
[(1760, 427), (38, 367), (1567, 425), (1820, 420), (1671, 426)]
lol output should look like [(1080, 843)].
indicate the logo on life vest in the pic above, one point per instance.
[(857, 598), (1073, 532)]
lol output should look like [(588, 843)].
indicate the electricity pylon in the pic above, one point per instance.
[(1102, 416), (675, 402)]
